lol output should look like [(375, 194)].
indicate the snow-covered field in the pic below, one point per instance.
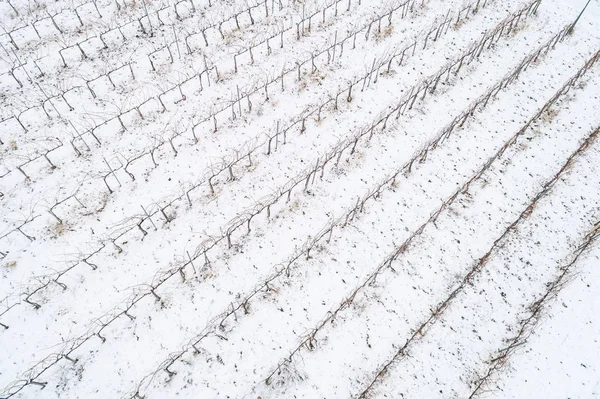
[(288, 199)]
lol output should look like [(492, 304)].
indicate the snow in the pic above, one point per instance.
[(124, 303), (559, 361)]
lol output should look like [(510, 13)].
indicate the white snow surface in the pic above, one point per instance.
[(140, 146)]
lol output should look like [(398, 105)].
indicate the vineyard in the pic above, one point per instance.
[(299, 199)]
